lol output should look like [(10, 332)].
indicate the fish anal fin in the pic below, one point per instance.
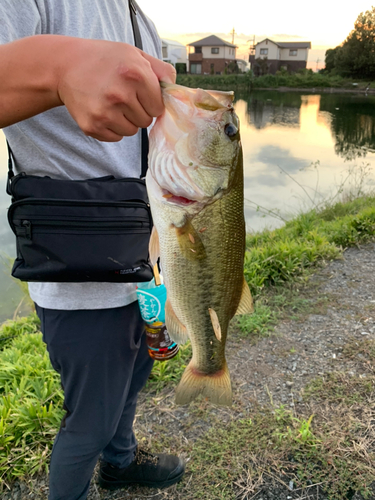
[(176, 330), (246, 304), (154, 247), (216, 387)]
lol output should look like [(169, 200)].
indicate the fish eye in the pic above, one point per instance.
[(230, 130)]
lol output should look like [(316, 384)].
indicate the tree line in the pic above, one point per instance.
[(355, 57)]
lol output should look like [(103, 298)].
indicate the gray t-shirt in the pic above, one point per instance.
[(52, 143)]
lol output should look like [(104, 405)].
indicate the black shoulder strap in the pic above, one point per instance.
[(138, 43), (10, 168), (144, 136)]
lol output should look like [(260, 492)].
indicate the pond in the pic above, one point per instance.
[(299, 150)]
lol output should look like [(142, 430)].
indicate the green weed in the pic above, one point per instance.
[(30, 403), (258, 324), (167, 373), (15, 328), (339, 388), (232, 458), (360, 349)]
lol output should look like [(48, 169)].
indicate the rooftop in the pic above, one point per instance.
[(290, 45), (172, 42), (212, 40)]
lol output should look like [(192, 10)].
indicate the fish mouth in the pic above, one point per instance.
[(177, 200)]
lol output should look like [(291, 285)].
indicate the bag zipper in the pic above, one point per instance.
[(89, 203), (78, 203), (28, 225)]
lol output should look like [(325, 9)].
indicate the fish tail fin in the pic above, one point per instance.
[(216, 387)]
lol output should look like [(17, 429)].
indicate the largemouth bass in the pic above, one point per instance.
[(195, 187)]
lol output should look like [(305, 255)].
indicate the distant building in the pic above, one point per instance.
[(243, 65), (174, 52), (211, 56), (270, 56)]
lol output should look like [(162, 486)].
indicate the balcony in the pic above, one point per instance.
[(195, 57)]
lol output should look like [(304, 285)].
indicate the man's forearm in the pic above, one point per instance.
[(111, 89), (29, 70)]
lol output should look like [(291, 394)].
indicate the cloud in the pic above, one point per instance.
[(265, 180), (280, 157)]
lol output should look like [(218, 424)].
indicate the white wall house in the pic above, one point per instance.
[(291, 56), (174, 52)]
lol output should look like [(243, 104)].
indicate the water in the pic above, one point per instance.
[(298, 150)]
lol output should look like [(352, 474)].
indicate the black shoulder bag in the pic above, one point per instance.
[(76, 231)]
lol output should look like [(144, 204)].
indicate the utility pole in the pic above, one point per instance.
[(233, 33), (252, 46), (317, 63)]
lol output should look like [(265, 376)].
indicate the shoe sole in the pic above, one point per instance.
[(115, 485)]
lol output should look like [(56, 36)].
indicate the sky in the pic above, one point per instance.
[(324, 23)]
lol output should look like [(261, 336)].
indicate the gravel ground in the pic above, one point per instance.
[(273, 371)]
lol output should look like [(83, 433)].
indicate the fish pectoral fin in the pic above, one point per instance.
[(154, 247), (216, 387), (190, 241), (246, 304), (215, 323), (176, 330)]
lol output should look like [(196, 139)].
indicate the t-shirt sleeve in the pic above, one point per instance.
[(18, 19)]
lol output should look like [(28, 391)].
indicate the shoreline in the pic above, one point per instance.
[(318, 90)]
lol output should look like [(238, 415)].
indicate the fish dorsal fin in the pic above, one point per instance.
[(176, 330), (204, 100), (246, 304), (154, 247)]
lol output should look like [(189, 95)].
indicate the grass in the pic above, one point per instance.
[(169, 373), (288, 255), (365, 349), (303, 79), (234, 460), (231, 458), (30, 402)]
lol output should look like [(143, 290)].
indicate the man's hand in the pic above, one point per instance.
[(111, 89)]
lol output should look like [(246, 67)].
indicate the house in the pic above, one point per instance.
[(243, 65), (269, 56), (174, 52), (211, 56)]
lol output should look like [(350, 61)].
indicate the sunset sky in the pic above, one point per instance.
[(325, 23)]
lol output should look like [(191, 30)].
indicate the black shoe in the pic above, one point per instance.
[(156, 471)]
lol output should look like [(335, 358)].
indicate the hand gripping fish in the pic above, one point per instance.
[(195, 187)]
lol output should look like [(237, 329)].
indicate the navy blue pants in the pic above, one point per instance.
[(102, 358)]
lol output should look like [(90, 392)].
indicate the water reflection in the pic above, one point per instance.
[(265, 109), (294, 145), (352, 124)]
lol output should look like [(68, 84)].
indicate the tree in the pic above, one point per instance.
[(261, 66), (356, 56), (330, 58), (233, 67)]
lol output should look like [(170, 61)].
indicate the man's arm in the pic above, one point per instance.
[(109, 88)]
